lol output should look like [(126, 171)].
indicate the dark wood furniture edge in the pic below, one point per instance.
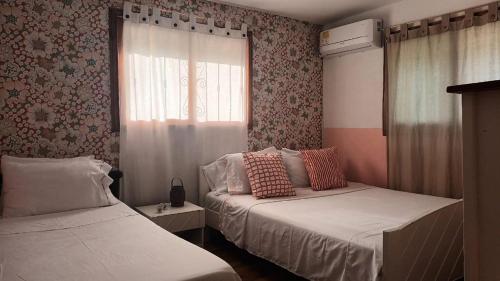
[(474, 87), (115, 174), (250, 80)]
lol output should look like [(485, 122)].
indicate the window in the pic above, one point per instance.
[(178, 76), (218, 94)]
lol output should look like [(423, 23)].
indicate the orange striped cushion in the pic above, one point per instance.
[(323, 168), (267, 175)]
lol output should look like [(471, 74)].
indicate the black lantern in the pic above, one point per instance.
[(177, 193)]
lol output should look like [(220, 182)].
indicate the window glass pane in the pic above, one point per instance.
[(141, 104), (160, 88), (212, 91), (172, 87), (224, 92), (201, 91), (184, 93), (176, 88), (157, 89), (220, 92), (237, 92)]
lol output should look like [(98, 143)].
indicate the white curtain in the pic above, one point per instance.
[(182, 104), (425, 137)]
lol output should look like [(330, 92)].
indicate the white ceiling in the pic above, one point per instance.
[(314, 11)]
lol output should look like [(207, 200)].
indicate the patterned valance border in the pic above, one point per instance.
[(449, 22), (169, 19)]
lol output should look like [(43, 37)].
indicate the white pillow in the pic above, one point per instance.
[(105, 167), (215, 174), (41, 160), (295, 168), (31, 160), (237, 178), (41, 186), (106, 180)]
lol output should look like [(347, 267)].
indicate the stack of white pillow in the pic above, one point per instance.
[(33, 186), (228, 173)]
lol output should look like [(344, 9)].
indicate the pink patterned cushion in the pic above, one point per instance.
[(267, 175), (323, 168)]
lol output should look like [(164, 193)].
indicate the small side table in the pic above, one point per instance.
[(177, 220)]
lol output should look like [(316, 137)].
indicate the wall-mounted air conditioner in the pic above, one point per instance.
[(354, 37)]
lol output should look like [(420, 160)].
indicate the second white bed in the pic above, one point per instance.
[(328, 235), (107, 243)]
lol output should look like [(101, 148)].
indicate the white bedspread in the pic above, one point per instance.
[(328, 235), (108, 243)]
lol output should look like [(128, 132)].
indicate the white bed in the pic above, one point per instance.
[(356, 233), (107, 243)]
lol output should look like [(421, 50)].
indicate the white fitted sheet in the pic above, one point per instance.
[(214, 200), (108, 243), (327, 235)]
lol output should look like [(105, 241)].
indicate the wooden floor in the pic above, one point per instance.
[(249, 267)]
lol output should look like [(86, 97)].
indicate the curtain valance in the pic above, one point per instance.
[(449, 22), (170, 19)]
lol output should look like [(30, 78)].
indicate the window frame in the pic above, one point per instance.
[(115, 17)]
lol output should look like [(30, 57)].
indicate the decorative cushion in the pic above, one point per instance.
[(323, 168), (294, 164), (237, 178), (215, 174), (267, 175)]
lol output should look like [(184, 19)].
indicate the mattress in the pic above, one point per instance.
[(326, 235), (108, 243)]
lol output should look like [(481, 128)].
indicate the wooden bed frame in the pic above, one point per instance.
[(428, 248)]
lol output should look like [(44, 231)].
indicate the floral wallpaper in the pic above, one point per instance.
[(54, 77)]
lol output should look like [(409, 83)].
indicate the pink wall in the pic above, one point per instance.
[(363, 151), (352, 114)]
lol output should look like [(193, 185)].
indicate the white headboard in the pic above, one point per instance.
[(203, 188)]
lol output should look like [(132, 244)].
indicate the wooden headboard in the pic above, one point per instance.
[(115, 174)]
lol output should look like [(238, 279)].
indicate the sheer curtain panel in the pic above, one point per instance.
[(424, 122), (183, 103)]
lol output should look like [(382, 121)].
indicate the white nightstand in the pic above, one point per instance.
[(177, 219)]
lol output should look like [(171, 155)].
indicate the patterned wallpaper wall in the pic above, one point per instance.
[(54, 76)]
